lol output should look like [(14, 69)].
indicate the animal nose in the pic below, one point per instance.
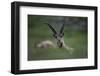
[(59, 44)]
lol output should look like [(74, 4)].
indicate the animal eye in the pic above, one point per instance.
[(61, 35), (55, 36)]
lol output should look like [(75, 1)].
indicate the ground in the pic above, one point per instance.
[(75, 39)]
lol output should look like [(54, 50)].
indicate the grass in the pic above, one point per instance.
[(75, 39)]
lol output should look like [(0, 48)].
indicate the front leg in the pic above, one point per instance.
[(67, 47)]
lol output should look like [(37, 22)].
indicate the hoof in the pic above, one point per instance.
[(71, 50)]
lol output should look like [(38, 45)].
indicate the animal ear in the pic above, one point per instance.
[(51, 28), (61, 34), (62, 28), (54, 35)]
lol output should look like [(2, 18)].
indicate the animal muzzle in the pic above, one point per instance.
[(60, 44)]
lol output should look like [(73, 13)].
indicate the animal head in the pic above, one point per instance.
[(57, 35)]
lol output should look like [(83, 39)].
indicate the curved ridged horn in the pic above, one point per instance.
[(51, 28), (62, 28)]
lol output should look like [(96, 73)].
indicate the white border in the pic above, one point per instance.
[(26, 65)]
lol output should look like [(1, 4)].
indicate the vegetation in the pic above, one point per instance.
[(74, 36)]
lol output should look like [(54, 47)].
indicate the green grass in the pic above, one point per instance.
[(75, 39)]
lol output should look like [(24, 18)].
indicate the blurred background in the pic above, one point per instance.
[(75, 36)]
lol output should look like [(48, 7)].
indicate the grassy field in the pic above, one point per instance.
[(75, 39)]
